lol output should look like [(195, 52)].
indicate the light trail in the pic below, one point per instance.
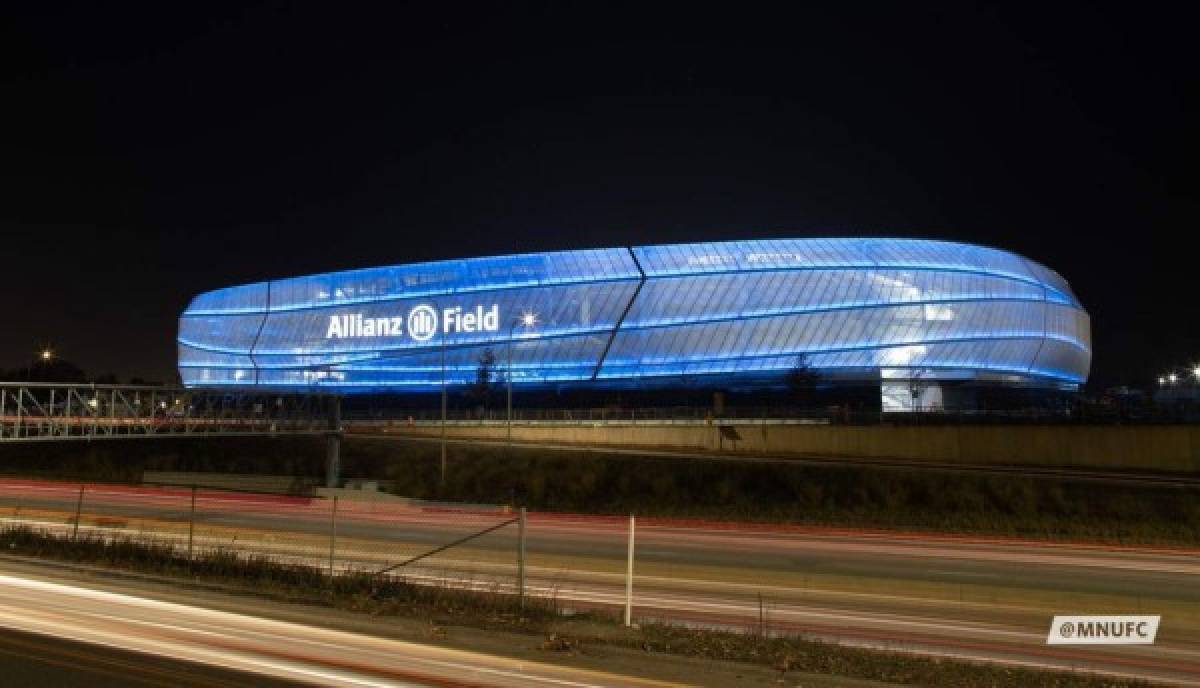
[(987, 599), (280, 649)]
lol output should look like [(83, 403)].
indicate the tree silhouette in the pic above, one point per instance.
[(480, 391), (39, 370), (803, 379)]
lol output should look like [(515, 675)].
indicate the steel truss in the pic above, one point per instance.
[(47, 412)]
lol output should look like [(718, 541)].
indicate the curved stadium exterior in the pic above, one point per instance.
[(728, 313)]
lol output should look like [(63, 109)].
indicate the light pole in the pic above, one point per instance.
[(527, 320), (442, 345), (442, 339)]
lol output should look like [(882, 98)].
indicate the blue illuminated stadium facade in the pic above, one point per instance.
[(722, 313)]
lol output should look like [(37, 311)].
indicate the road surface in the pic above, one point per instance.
[(29, 660), (976, 598), (224, 642)]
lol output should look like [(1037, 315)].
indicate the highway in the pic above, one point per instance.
[(988, 599), (29, 660), (294, 652)]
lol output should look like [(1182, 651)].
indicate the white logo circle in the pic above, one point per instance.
[(422, 323)]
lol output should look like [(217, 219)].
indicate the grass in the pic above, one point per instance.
[(791, 654), (360, 592), (351, 590)]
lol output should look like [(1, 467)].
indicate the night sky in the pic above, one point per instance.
[(150, 153)]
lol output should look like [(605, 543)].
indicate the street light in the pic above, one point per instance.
[(46, 354), (442, 342), (1172, 378), (526, 320)]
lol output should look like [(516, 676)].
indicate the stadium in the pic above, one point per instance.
[(884, 312)]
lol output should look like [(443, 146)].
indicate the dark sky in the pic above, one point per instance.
[(150, 153)]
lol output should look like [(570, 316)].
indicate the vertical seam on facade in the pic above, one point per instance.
[(261, 325), (1045, 306), (637, 290)]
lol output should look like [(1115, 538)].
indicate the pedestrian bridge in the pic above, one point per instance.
[(37, 412)]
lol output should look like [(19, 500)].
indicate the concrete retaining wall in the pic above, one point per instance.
[(1160, 448), (283, 484)]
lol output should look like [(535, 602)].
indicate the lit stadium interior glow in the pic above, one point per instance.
[(735, 312)]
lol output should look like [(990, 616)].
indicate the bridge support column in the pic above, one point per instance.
[(333, 446), (333, 459)]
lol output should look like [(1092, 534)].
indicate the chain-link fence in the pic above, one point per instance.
[(575, 561), (395, 536), (757, 578)]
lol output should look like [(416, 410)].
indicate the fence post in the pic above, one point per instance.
[(762, 618), (332, 536), (192, 524), (629, 577), (521, 558), (78, 513)]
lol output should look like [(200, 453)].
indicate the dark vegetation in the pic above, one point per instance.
[(790, 493), (125, 460), (356, 591), (679, 488), (360, 592), (788, 653), (55, 369)]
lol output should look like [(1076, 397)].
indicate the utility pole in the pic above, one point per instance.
[(333, 445), (629, 576), (508, 384), (527, 321), (443, 338), (442, 341), (332, 536), (192, 524), (521, 558), (78, 513)]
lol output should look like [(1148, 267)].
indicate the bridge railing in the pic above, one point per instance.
[(46, 411)]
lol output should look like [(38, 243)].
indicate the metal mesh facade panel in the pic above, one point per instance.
[(851, 306), (450, 277)]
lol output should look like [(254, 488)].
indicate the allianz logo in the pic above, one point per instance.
[(421, 323)]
